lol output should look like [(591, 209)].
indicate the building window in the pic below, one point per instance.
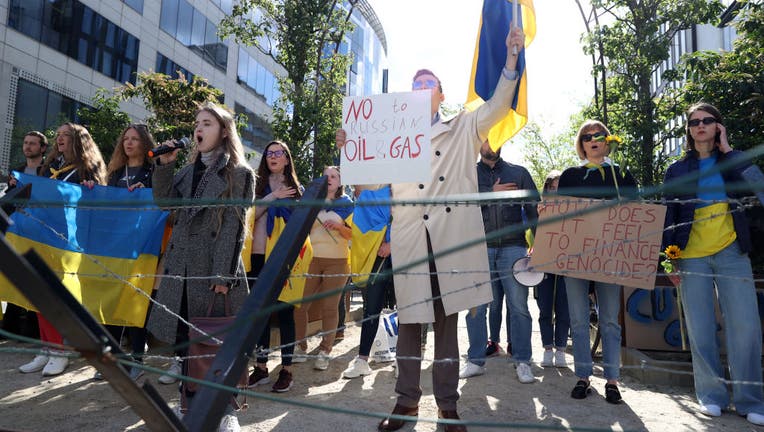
[(256, 133), (74, 29), (191, 28), (168, 67), (137, 5), (38, 108), (255, 76)]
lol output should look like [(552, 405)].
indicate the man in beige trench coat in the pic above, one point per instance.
[(462, 278)]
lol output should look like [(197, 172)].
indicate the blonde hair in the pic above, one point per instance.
[(84, 155)]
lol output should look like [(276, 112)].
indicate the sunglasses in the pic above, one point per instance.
[(427, 84), (705, 121), (275, 153), (589, 137)]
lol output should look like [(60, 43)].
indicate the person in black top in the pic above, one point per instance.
[(597, 177)]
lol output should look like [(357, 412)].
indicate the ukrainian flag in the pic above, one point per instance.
[(489, 59), (98, 250), (371, 226), (293, 289)]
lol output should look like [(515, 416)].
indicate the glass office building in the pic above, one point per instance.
[(55, 55)]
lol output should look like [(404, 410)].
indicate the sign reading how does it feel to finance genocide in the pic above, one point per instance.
[(600, 241), (388, 138)]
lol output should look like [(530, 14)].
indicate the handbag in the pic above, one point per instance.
[(202, 350)]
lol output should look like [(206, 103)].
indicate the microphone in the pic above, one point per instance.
[(162, 149)]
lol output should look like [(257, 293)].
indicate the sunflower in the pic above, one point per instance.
[(673, 252)]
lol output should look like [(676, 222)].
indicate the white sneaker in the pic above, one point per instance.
[(548, 360), (38, 362), (174, 369), (358, 367), (470, 370), (322, 361), (299, 355), (229, 423), (710, 410), (56, 364), (756, 419), (524, 373), (559, 359)]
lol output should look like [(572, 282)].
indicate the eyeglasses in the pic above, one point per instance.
[(589, 137), (143, 126), (275, 153), (704, 120), (426, 84)]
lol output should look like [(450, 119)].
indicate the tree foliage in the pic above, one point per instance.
[(544, 154), (302, 36), (635, 42), (105, 121)]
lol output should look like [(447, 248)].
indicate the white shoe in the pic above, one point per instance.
[(322, 361), (470, 370), (524, 373), (358, 367), (174, 369), (56, 364), (711, 410), (229, 423), (756, 419), (548, 360), (299, 355), (559, 359), (38, 362)]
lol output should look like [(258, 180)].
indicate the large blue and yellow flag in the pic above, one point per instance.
[(100, 241), (370, 226), (489, 59), (294, 287)]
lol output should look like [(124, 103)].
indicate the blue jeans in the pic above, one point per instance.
[(554, 320), (609, 304), (740, 314), (500, 261), (477, 332)]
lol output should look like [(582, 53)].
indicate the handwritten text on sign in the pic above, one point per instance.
[(615, 243), (388, 138)]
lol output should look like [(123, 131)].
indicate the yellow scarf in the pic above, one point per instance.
[(55, 172), (593, 166)]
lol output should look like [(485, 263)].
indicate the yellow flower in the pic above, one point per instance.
[(673, 252), (611, 138)]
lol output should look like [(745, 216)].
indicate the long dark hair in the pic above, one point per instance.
[(705, 107), (119, 157), (85, 155), (263, 172)]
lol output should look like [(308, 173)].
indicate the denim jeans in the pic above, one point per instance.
[(373, 301), (740, 314), (477, 332), (500, 261), (554, 320), (609, 304)]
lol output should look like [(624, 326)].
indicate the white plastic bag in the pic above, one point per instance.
[(383, 348)]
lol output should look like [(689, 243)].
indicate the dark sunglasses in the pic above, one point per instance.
[(589, 137), (704, 120), (427, 84), (275, 153)]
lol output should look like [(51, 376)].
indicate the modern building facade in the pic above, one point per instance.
[(55, 55)]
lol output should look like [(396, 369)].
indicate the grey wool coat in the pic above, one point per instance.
[(202, 244)]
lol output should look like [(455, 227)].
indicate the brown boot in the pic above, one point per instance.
[(451, 415), (391, 424)]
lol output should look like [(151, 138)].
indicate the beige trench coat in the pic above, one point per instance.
[(463, 276)]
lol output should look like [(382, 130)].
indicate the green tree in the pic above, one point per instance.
[(303, 37), (733, 81), (105, 121), (544, 154), (635, 42)]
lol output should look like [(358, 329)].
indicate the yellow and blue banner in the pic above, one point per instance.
[(294, 287), (370, 227), (489, 59), (98, 240)]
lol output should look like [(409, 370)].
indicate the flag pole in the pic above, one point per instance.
[(515, 11)]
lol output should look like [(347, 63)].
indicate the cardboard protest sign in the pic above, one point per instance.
[(388, 138), (594, 240)]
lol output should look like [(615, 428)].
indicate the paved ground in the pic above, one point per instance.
[(74, 402)]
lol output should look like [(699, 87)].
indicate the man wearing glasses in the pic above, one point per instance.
[(436, 290)]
